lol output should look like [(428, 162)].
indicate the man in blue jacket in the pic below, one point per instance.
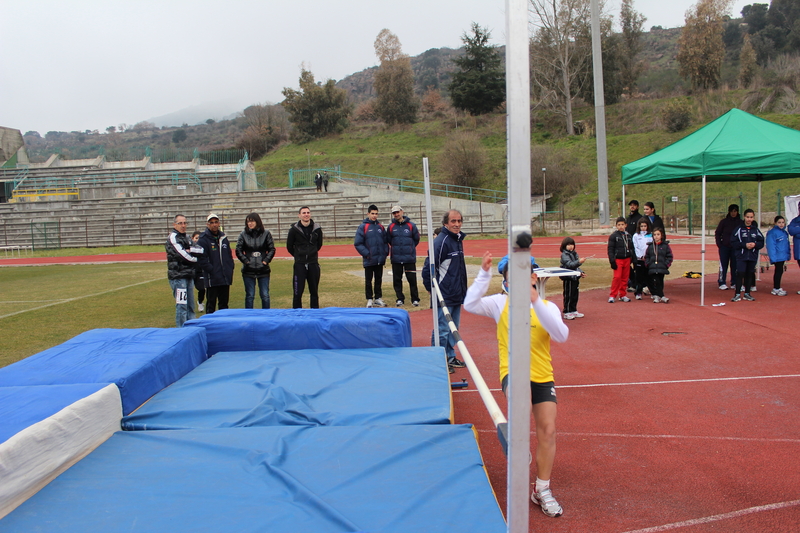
[(403, 237), (217, 264), (794, 231), (451, 276), (370, 242)]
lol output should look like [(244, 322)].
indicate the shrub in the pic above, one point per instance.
[(463, 158), (676, 115)]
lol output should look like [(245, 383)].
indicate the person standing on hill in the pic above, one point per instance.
[(181, 268), (403, 237), (370, 242), (255, 249), (722, 236), (318, 181), (303, 243), (325, 179), (217, 263)]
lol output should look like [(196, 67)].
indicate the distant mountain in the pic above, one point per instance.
[(197, 114)]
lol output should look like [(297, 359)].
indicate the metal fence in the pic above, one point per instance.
[(305, 178)]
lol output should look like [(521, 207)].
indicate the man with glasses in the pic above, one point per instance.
[(451, 276), (181, 263)]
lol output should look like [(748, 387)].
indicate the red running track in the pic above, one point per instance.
[(671, 417)]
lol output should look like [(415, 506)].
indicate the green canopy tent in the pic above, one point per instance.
[(737, 146)]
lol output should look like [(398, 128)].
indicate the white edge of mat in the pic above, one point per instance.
[(39, 453)]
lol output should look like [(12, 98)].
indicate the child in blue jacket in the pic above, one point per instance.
[(779, 253)]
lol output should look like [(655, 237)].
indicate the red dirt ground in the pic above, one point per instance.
[(671, 417)]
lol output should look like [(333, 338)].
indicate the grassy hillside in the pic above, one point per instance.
[(634, 131)]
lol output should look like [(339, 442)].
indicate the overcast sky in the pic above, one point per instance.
[(89, 64)]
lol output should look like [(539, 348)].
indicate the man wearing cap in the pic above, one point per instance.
[(403, 238), (181, 263), (303, 243), (217, 264)]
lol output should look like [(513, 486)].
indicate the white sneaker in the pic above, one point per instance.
[(369, 303), (611, 300), (656, 300), (201, 307), (625, 299), (638, 296), (547, 502), (379, 303), (415, 303), (646, 291), (723, 287), (753, 289), (782, 292), (569, 316), (578, 315), (399, 303), (664, 300)]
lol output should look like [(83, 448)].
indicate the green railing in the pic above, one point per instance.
[(305, 178)]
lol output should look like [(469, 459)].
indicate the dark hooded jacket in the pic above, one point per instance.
[(370, 242), (303, 243), (254, 248), (449, 266), (404, 238), (217, 258)]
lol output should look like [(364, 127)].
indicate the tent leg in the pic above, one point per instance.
[(703, 249)]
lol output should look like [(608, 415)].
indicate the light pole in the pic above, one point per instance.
[(308, 154), (544, 190)]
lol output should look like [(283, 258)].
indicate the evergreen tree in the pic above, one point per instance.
[(479, 86), (632, 23), (396, 102), (747, 63), (316, 109)]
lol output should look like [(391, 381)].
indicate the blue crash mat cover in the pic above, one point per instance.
[(280, 479), (21, 407), (140, 362), (235, 330), (305, 387)]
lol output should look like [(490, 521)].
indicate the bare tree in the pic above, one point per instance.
[(463, 158), (557, 55), (394, 82), (700, 46)]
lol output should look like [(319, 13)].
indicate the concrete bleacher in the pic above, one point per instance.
[(94, 202)]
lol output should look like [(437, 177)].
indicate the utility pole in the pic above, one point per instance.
[(599, 117)]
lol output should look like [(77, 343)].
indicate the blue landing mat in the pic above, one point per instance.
[(391, 479), (234, 330), (305, 387), (140, 362)]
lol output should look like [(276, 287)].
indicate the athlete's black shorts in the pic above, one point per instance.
[(540, 392)]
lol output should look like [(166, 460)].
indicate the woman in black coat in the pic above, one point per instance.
[(255, 249)]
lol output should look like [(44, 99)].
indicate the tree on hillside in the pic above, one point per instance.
[(463, 158), (747, 63), (613, 56), (179, 135), (394, 82), (557, 56), (316, 109), (700, 46), (479, 86), (267, 126), (632, 23)]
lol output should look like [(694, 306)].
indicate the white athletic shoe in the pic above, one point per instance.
[(569, 316), (378, 302), (611, 300), (723, 287), (656, 300), (201, 307), (664, 300), (369, 303), (578, 315), (753, 289), (547, 502)]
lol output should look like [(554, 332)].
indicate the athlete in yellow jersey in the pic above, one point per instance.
[(546, 324)]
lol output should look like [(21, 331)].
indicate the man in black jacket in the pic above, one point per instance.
[(217, 263), (181, 263), (303, 243)]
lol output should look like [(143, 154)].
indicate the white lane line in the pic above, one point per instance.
[(636, 383), (626, 436), (716, 518), (59, 302)]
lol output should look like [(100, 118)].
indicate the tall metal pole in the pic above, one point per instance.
[(544, 190), (599, 117), (519, 266)]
